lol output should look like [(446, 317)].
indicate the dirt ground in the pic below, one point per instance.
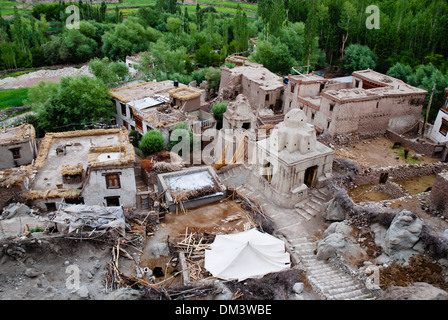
[(420, 269), (224, 217), (34, 78), (45, 270), (375, 153)]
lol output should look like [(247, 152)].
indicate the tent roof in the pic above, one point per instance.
[(249, 254)]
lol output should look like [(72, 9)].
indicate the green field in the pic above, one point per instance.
[(10, 98), (129, 6)]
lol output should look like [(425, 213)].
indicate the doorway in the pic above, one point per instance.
[(268, 171), (310, 177)]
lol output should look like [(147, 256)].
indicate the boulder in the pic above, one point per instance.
[(15, 208), (298, 287), (415, 291), (403, 232), (83, 292), (32, 272), (338, 227), (330, 245), (159, 249), (333, 212)]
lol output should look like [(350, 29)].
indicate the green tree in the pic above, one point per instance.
[(274, 56), (174, 25), (128, 38), (152, 142), (165, 59), (108, 71), (240, 30), (425, 77), (73, 102), (358, 57), (213, 77), (206, 56), (400, 71), (218, 111)]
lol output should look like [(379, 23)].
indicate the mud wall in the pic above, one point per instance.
[(423, 146)]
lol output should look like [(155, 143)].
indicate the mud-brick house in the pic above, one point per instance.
[(92, 167), (254, 95), (13, 182), (366, 103), (17, 146), (158, 105)]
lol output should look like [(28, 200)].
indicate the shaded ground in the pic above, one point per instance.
[(418, 184), (366, 193)]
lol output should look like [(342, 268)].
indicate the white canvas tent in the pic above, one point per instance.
[(249, 254)]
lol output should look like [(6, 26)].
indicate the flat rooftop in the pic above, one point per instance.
[(260, 75), (16, 134), (144, 90), (386, 81), (306, 78), (94, 148)]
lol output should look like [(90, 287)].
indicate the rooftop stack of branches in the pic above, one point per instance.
[(71, 169), (182, 196)]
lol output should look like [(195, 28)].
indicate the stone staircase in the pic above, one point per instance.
[(330, 282), (314, 204)]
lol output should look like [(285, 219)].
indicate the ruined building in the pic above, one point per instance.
[(367, 103), (254, 95)]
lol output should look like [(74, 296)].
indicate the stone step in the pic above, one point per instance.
[(317, 201), (317, 193), (355, 294), (303, 214), (316, 208)]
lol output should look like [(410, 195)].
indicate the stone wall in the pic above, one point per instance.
[(439, 194), (373, 175), (392, 189)]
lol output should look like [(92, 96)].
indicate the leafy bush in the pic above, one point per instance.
[(152, 142), (218, 111)]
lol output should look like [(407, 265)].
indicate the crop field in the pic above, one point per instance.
[(12, 98), (129, 6)]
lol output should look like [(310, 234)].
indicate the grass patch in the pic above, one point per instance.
[(400, 152), (11, 98), (16, 74)]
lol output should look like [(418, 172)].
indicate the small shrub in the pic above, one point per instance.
[(152, 142)]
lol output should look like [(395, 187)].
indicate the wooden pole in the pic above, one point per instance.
[(427, 110)]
